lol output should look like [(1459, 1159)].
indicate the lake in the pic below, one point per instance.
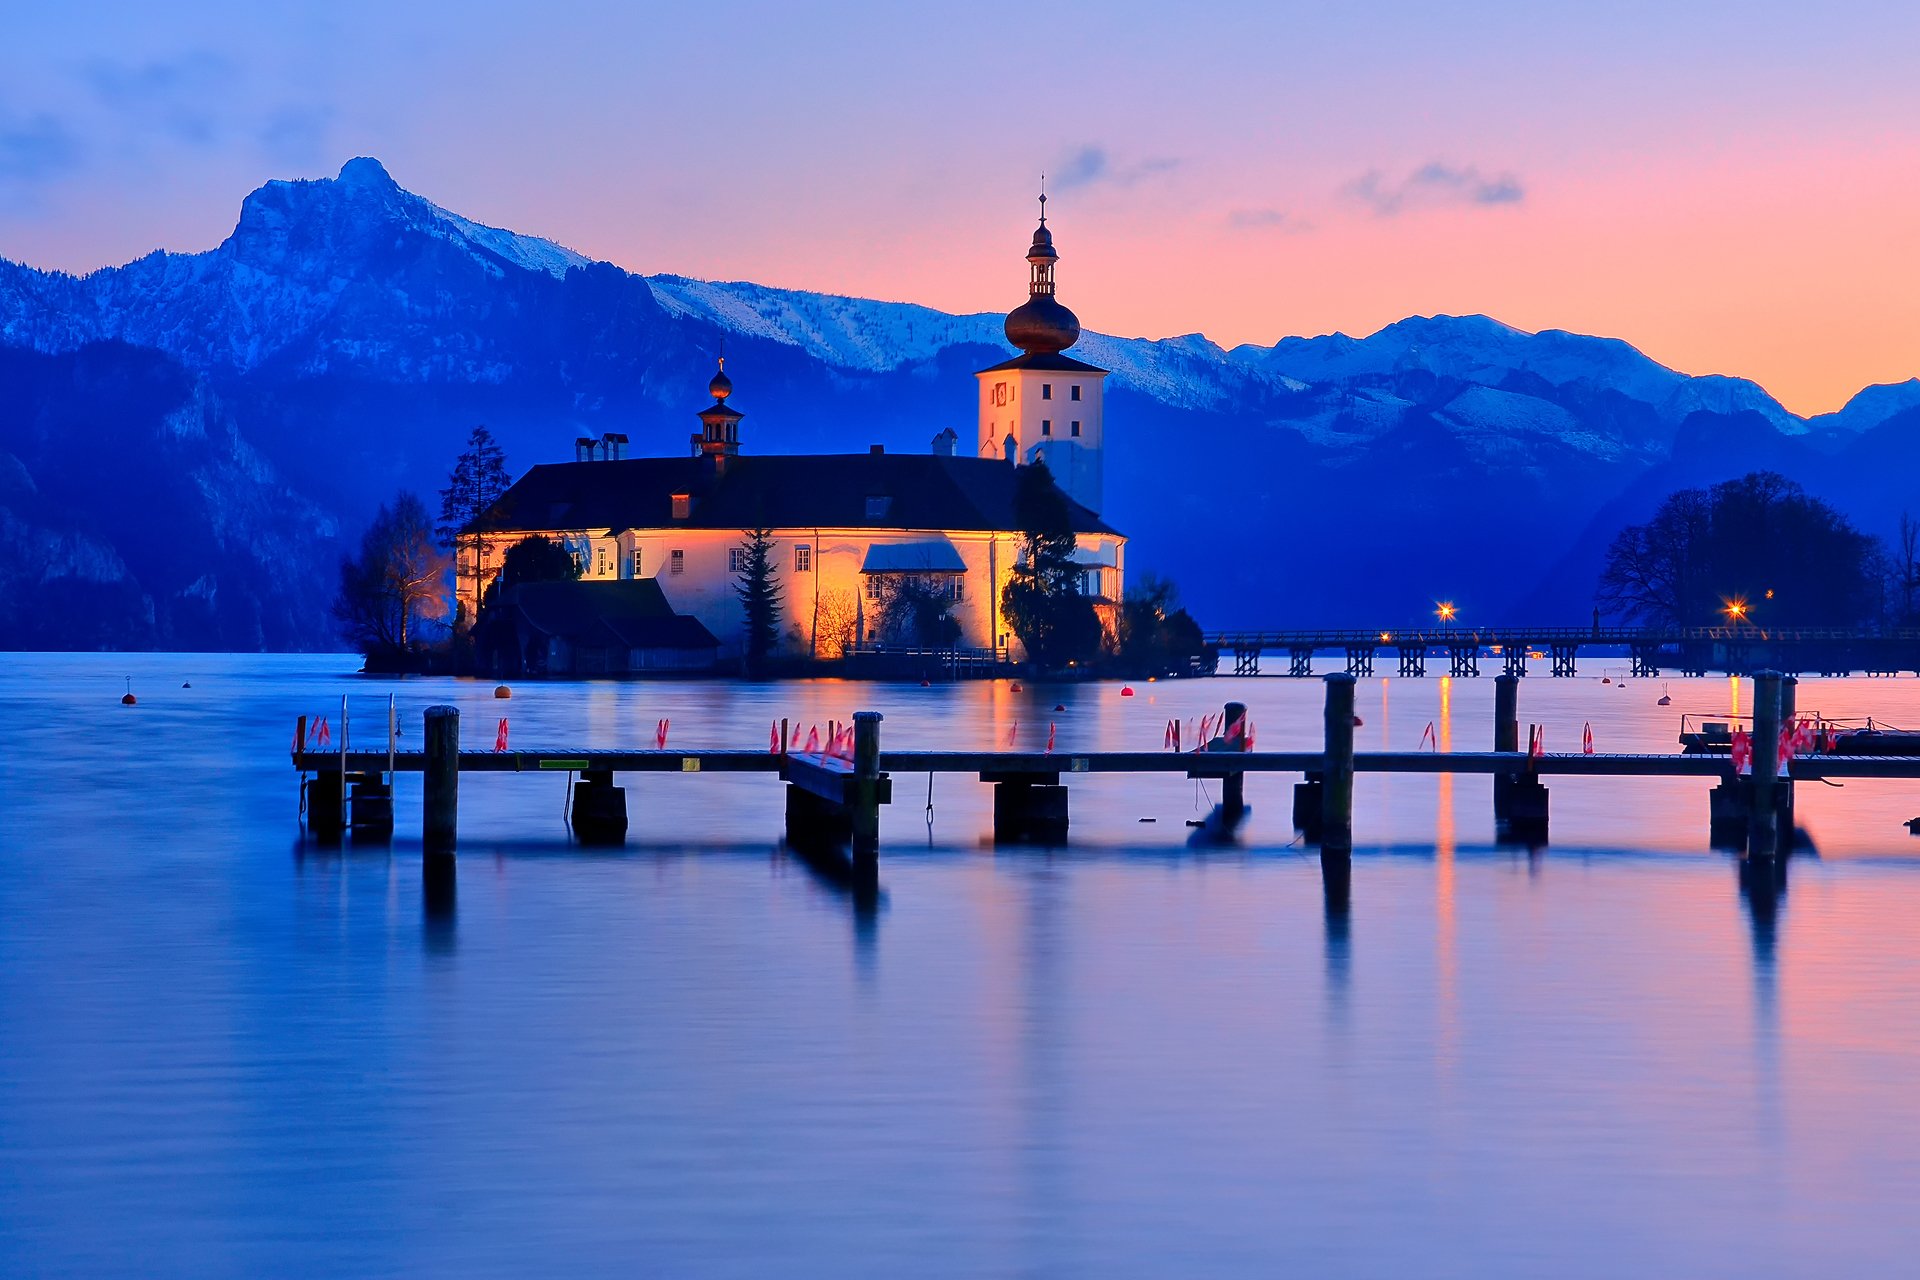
[(225, 1051)]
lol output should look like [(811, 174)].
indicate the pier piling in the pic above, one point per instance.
[(1336, 785), (440, 793), (1762, 821), (1506, 737), (1233, 787), (599, 808), (866, 790)]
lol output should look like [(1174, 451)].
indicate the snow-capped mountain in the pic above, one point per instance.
[(350, 332)]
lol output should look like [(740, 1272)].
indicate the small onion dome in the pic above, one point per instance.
[(1041, 326), (1042, 248), (722, 386)]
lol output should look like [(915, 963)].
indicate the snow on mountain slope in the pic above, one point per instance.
[(1870, 407)]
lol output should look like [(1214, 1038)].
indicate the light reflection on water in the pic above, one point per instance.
[(226, 1052)]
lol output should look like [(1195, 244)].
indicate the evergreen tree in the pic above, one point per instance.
[(759, 594), (478, 478), (1042, 600)]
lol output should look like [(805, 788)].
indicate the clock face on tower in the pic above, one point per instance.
[(1000, 393)]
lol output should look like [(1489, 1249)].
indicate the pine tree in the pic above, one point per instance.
[(1042, 600), (478, 478), (759, 594)]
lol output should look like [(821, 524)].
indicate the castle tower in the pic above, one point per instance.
[(719, 434), (1044, 403)]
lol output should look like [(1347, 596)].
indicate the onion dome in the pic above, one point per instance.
[(722, 386), (1041, 325)]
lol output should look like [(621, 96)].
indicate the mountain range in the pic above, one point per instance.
[(188, 441)]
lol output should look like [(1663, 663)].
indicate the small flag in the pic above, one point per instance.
[(1050, 728), (500, 736)]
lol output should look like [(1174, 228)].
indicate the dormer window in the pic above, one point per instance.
[(877, 506), (682, 506)]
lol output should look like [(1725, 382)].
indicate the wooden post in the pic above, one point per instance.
[(1762, 828), (1783, 793), (1506, 737), (866, 779), (1336, 795), (440, 791), (1233, 787)]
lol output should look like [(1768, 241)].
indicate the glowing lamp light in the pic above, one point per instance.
[(1736, 610)]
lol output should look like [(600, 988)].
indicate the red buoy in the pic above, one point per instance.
[(1126, 691)]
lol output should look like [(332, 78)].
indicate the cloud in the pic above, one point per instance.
[(296, 134), (35, 150), (1433, 184), (181, 96), (1267, 220), (1089, 166)]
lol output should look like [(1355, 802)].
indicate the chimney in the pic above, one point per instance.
[(945, 443), (583, 448), (616, 446), (876, 449)]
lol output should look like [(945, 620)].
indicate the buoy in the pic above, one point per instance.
[(501, 691), (1665, 701), (1606, 679), (926, 684), (1126, 691), (1016, 687), (1059, 706), (186, 684), (128, 700), (1357, 722), (1913, 826), (1150, 680)]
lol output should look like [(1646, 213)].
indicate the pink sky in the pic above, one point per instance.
[(1732, 188)]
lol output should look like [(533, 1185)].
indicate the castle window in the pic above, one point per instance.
[(1046, 426), (736, 559), (676, 561), (1046, 391), (633, 564), (1076, 391), (803, 559), (1076, 427), (682, 505), (877, 507)]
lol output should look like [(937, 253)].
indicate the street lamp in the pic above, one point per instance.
[(1446, 612), (1736, 611)]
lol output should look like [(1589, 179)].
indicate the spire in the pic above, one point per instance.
[(1042, 326), (719, 434)]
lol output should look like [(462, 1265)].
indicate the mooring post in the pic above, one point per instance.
[(866, 787), (1233, 787), (1783, 791), (1762, 826), (440, 790), (1506, 737), (1336, 786)]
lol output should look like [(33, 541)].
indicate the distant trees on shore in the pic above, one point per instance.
[(1757, 549)]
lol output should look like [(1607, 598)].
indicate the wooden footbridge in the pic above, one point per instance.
[(833, 797), (1690, 651)]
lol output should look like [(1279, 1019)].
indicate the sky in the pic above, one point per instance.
[(1733, 188)]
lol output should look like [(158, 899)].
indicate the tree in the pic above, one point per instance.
[(1042, 600), (1156, 635), (759, 592), (1906, 567), (1759, 542), (478, 478), (495, 635), (837, 624), (396, 583), (917, 610)]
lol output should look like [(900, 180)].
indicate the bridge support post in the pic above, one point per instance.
[(1463, 659), (1246, 660), (1336, 795), (440, 789), (1309, 802), (1413, 660), (599, 808), (1566, 660), (1514, 657), (1506, 737), (1359, 660), (1300, 661), (1762, 822)]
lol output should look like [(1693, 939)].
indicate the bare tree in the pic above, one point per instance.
[(397, 581), (1906, 564), (836, 626)]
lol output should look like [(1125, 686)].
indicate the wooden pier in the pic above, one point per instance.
[(1740, 649), (833, 797)]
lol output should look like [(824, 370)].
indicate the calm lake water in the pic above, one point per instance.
[(224, 1052)]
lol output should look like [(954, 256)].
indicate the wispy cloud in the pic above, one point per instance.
[(1091, 165), (1267, 220), (296, 134), (1433, 184), (35, 150), (183, 96)]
